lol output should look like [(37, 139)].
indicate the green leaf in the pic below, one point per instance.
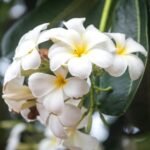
[(130, 18), (53, 12)]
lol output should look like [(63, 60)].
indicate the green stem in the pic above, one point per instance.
[(92, 104), (105, 15), (103, 89)]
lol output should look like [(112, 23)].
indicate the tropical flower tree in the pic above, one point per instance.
[(81, 70)]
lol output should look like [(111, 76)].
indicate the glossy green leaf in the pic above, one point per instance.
[(53, 12), (130, 18)]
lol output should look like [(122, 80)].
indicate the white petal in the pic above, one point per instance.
[(132, 47), (93, 37), (76, 87), (41, 84), (31, 60), (59, 58), (80, 67), (136, 67), (17, 92), (56, 127), (43, 114), (79, 140), (54, 101), (101, 58), (118, 67), (57, 48), (14, 105), (73, 101), (24, 48), (70, 115), (34, 33), (61, 72), (12, 72), (75, 24), (24, 113), (119, 38), (69, 37)]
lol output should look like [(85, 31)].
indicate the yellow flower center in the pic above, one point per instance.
[(80, 50), (60, 81), (120, 50)]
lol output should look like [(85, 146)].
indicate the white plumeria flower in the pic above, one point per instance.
[(124, 57), (69, 117), (78, 47), (52, 90), (16, 95), (27, 49), (80, 141), (26, 54)]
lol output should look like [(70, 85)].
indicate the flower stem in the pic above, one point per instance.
[(92, 105), (103, 89), (105, 15)]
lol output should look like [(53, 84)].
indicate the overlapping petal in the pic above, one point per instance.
[(13, 72), (100, 58), (54, 101), (56, 127), (136, 66), (76, 88), (118, 67), (79, 141), (31, 61), (70, 115), (75, 24), (80, 67), (41, 84), (133, 47)]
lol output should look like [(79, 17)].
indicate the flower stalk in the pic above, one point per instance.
[(105, 15), (92, 105)]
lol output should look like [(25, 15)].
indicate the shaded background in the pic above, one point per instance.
[(131, 131)]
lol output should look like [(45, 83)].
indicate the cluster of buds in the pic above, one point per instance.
[(48, 84)]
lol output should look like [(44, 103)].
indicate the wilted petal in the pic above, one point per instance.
[(41, 84), (136, 67), (80, 67), (14, 105), (101, 58), (70, 115), (75, 24), (76, 87), (133, 47), (17, 93), (54, 101), (118, 67), (31, 60), (57, 127)]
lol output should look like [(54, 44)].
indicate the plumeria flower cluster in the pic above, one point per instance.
[(50, 84)]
